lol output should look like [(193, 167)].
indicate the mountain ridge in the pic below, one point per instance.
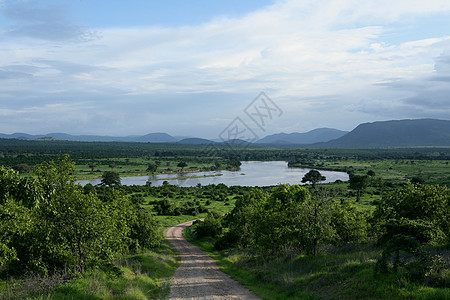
[(393, 133), (309, 137)]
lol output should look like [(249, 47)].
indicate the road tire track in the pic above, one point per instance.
[(198, 276)]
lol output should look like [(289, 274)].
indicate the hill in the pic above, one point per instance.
[(310, 137), (157, 137), (194, 141), (396, 133)]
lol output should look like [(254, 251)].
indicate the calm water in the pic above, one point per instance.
[(252, 173)]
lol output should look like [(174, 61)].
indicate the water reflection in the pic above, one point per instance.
[(252, 173)]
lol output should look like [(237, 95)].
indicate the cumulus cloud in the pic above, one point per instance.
[(325, 60)]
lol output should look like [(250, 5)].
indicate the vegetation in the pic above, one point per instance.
[(286, 242), (271, 242), (50, 226)]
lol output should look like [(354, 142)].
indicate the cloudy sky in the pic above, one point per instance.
[(189, 68)]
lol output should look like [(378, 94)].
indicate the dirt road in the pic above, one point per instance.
[(198, 276)]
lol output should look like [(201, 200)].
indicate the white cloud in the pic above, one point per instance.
[(298, 51)]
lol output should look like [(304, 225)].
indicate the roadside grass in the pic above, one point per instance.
[(341, 273), (140, 276)]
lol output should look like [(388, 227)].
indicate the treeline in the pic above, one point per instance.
[(39, 151), (295, 219), (49, 224)]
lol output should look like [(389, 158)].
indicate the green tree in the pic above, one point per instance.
[(410, 218), (92, 166), (110, 178), (210, 227), (152, 167), (182, 165), (349, 223), (316, 221), (314, 177), (358, 183)]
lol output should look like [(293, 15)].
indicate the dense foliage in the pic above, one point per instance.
[(291, 217), (49, 223), (406, 222)]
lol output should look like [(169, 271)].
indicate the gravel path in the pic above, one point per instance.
[(198, 276)]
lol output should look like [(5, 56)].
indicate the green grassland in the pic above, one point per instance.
[(338, 273), (140, 276), (343, 273)]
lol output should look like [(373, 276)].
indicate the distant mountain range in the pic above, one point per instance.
[(397, 133), (310, 137), (157, 137)]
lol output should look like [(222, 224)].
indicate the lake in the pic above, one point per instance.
[(251, 173)]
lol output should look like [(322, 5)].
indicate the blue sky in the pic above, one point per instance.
[(190, 68)]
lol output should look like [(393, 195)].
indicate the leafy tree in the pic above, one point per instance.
[(316, 221), (289, 218), (182, 165), (152, 167), (358, 183), (92, 167), (410, 218), (371, 173), (51, 223), (210, 227), (15, 221), (144, 230), (349, 223), (234, 163), (417, 180), (314, 177), (110, 178)]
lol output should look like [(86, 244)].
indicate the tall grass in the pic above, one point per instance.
[(141, 276), (341, 273)]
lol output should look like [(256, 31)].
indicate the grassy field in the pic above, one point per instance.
[(342, 273), (87, 169), (338, 273), (140, 276)]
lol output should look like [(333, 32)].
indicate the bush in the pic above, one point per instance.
[(210, 227)]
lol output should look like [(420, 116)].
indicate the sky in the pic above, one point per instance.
[(204, 68)]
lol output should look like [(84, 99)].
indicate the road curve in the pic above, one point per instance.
[(198, 276)]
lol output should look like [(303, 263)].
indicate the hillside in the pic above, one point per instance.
[(157, 137), (310, 137), (397, 133)]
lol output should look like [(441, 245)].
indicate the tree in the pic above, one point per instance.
[(358, 183), (92, 166), (408, 219), (315, 223), (210, 227), (152, 167), (314, 177), (182, 165), (110, 178), (371, 173), (49, 223)]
